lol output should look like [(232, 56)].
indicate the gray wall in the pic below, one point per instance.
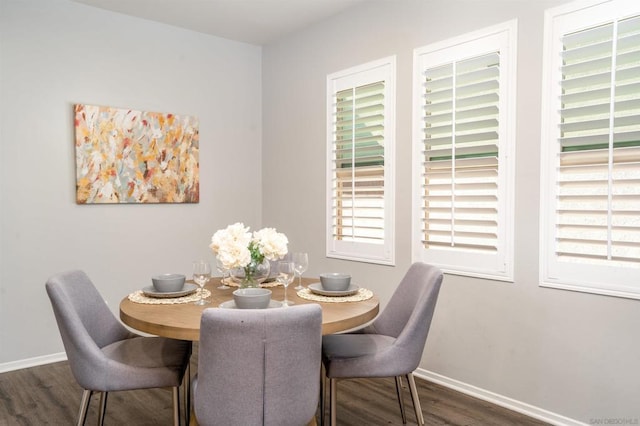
[(55, 53), (565, 353)]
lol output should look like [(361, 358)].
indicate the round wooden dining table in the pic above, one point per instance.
[(182, 320)]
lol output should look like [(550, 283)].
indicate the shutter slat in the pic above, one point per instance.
[(460, 246)]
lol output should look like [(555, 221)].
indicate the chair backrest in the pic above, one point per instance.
[(86, 324), (408, 315), (259, 367)]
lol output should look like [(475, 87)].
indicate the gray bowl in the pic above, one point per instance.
[(335, 281), (252, 298), (165, 283)]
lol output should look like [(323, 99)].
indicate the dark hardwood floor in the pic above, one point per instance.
[(48, 395)]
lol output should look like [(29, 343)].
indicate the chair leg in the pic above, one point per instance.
[(176, 405), (416, 400), (103, 407), (400, 401), (333, 389), (186, 382), (323, 395), (84, 405)]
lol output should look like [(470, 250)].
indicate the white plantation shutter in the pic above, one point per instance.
[(592, 228), (462, 201), (461, 155), (358, 164), (360, 118)]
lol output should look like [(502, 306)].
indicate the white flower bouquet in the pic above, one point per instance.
[(237, 248)]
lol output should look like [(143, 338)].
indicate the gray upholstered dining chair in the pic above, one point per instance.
[(392, 345), (258, 366), (103, 355)]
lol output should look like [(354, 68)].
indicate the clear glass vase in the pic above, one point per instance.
[(251, 275)]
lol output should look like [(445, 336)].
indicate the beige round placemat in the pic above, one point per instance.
[(362, 294), (270, 284), (139, 297)]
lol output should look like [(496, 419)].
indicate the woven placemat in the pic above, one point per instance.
[(362, 294), (139, 297), (270, 284)]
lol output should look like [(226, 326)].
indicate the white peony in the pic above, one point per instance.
[(231, 245), (272, 244)]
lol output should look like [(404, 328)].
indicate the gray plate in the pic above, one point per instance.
[(231, 304), (318, 289), (186, 290)]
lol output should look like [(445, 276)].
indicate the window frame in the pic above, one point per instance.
[(357, 76), (503, 38), (607, 280)]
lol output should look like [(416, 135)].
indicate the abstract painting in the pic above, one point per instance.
[(128, 156)]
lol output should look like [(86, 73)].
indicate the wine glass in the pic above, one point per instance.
[(201, 275), (301, 261), (286, 273), (224, 271)]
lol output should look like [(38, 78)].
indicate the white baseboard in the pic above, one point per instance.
[(32, 362), (501, 400)]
